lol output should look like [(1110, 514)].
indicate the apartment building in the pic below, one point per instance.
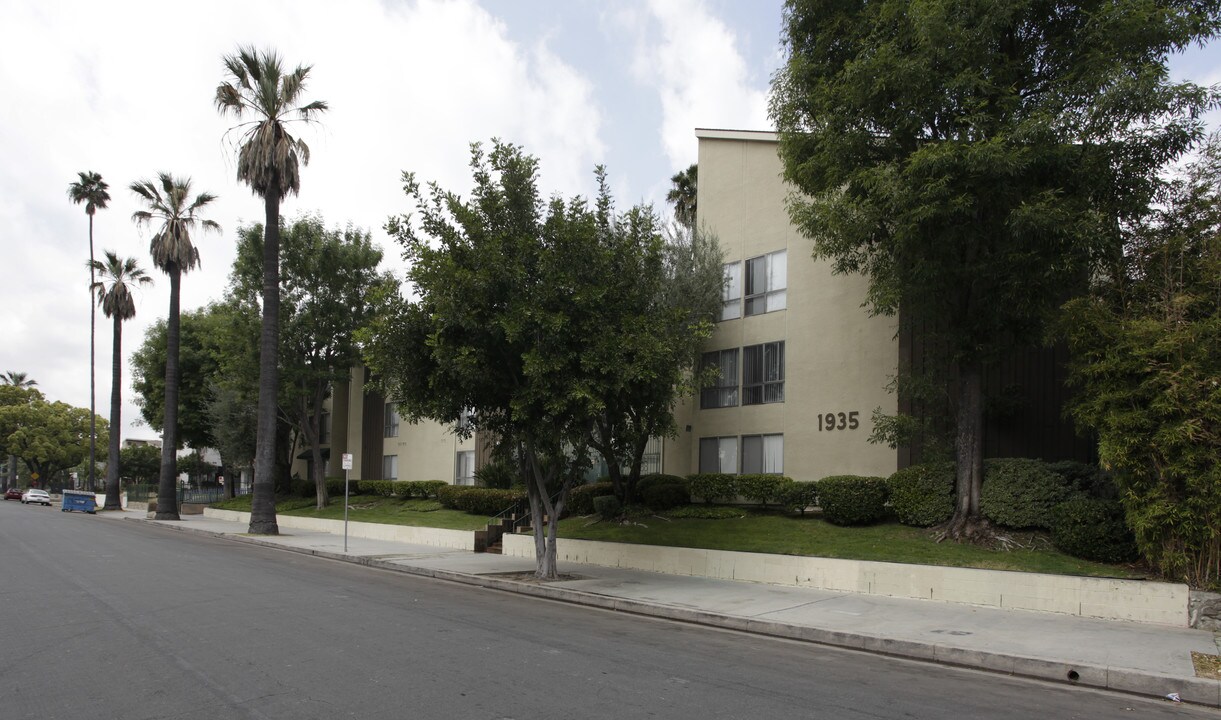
[(803, 364)]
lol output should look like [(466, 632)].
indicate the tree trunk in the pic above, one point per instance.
[(967, 523), (263, 502), (167, 488), (93, 313), (113, 486), (633, 477)]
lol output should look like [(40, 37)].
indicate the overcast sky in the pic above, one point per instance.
[(125, 88)]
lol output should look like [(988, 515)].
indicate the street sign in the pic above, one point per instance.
[(347, 461)]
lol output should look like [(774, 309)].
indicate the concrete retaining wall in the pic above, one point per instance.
[(435, 537), (1106, 598)]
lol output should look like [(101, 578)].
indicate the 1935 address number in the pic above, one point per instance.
[(839, 421)]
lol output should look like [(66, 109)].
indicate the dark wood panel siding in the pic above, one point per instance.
[(373, 431), (1025, 396)]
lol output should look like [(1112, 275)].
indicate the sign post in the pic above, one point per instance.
[(347, 465)]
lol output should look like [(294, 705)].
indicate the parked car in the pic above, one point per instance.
[(12, 494), (36, 496)]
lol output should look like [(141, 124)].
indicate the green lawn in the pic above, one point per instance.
[(756, 532), (373, 509), (795, 535)]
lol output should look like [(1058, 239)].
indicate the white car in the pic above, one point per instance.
[(33, 495)]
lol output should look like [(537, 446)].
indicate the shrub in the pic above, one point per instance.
[(763, 488), (798, 496), (581, 498), (653, 479), (477, 500), (607, 506), (1092, 529), (384, 488), (923, 495), (334, 487), (708, 512), (852, 499), (713, 487), (1020, 493), (497, 474), (418, 488), (662, 497), (1086, 478)]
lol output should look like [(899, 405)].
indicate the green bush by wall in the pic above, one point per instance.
[(852, 499), (923, 495)]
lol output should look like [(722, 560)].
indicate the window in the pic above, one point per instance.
[(731, 292), (390, 467), (763, 373), (650, 462), (719, 455), (392, 420), (464, 468), (464, 419), (724, 390), (766, 280), (762, 454), (324, 428)]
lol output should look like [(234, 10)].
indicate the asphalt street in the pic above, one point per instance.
[(105, 619)]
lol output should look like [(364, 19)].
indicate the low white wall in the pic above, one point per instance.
[(435, 537), (1110, 599)]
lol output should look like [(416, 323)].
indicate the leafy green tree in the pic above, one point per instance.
[(205, 344), (258, 87), (114, 295), (141, 463), (682, 195), (1145, 362), (972, 157), (660, 302), (510, 328), (170, 205), (91, 190), (17, 380), (49, 437), (327, 277)]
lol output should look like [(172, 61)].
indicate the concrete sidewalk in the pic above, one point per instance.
[(1129, 657)]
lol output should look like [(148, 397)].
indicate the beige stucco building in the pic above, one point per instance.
[(803, 365)]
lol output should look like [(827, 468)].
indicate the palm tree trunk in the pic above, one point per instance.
[(263, 502), (93, 314), (167, 489), (113, 488)]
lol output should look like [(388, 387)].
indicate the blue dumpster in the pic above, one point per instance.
[(79, 500)]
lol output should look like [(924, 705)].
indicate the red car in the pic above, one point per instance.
[(12, 494)]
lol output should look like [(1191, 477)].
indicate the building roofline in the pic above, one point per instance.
[(724, 134)]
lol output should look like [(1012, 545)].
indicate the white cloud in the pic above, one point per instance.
[(694, 62), (127, 91)]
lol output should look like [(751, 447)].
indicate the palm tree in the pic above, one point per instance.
[(682, 194), (113, 291), (22, 380), (267, 160), (170, 204), (90, 189)]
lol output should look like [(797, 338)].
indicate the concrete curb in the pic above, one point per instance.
[(1193, 690)]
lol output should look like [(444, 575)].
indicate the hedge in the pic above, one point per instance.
[(1020, 493), (852, 499), (923, 495), (607, 506), (477, 500), (581, 497), (799, 496), (662, 497), (763, 488), (1092, 529), (713, 487), (654, 479)]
